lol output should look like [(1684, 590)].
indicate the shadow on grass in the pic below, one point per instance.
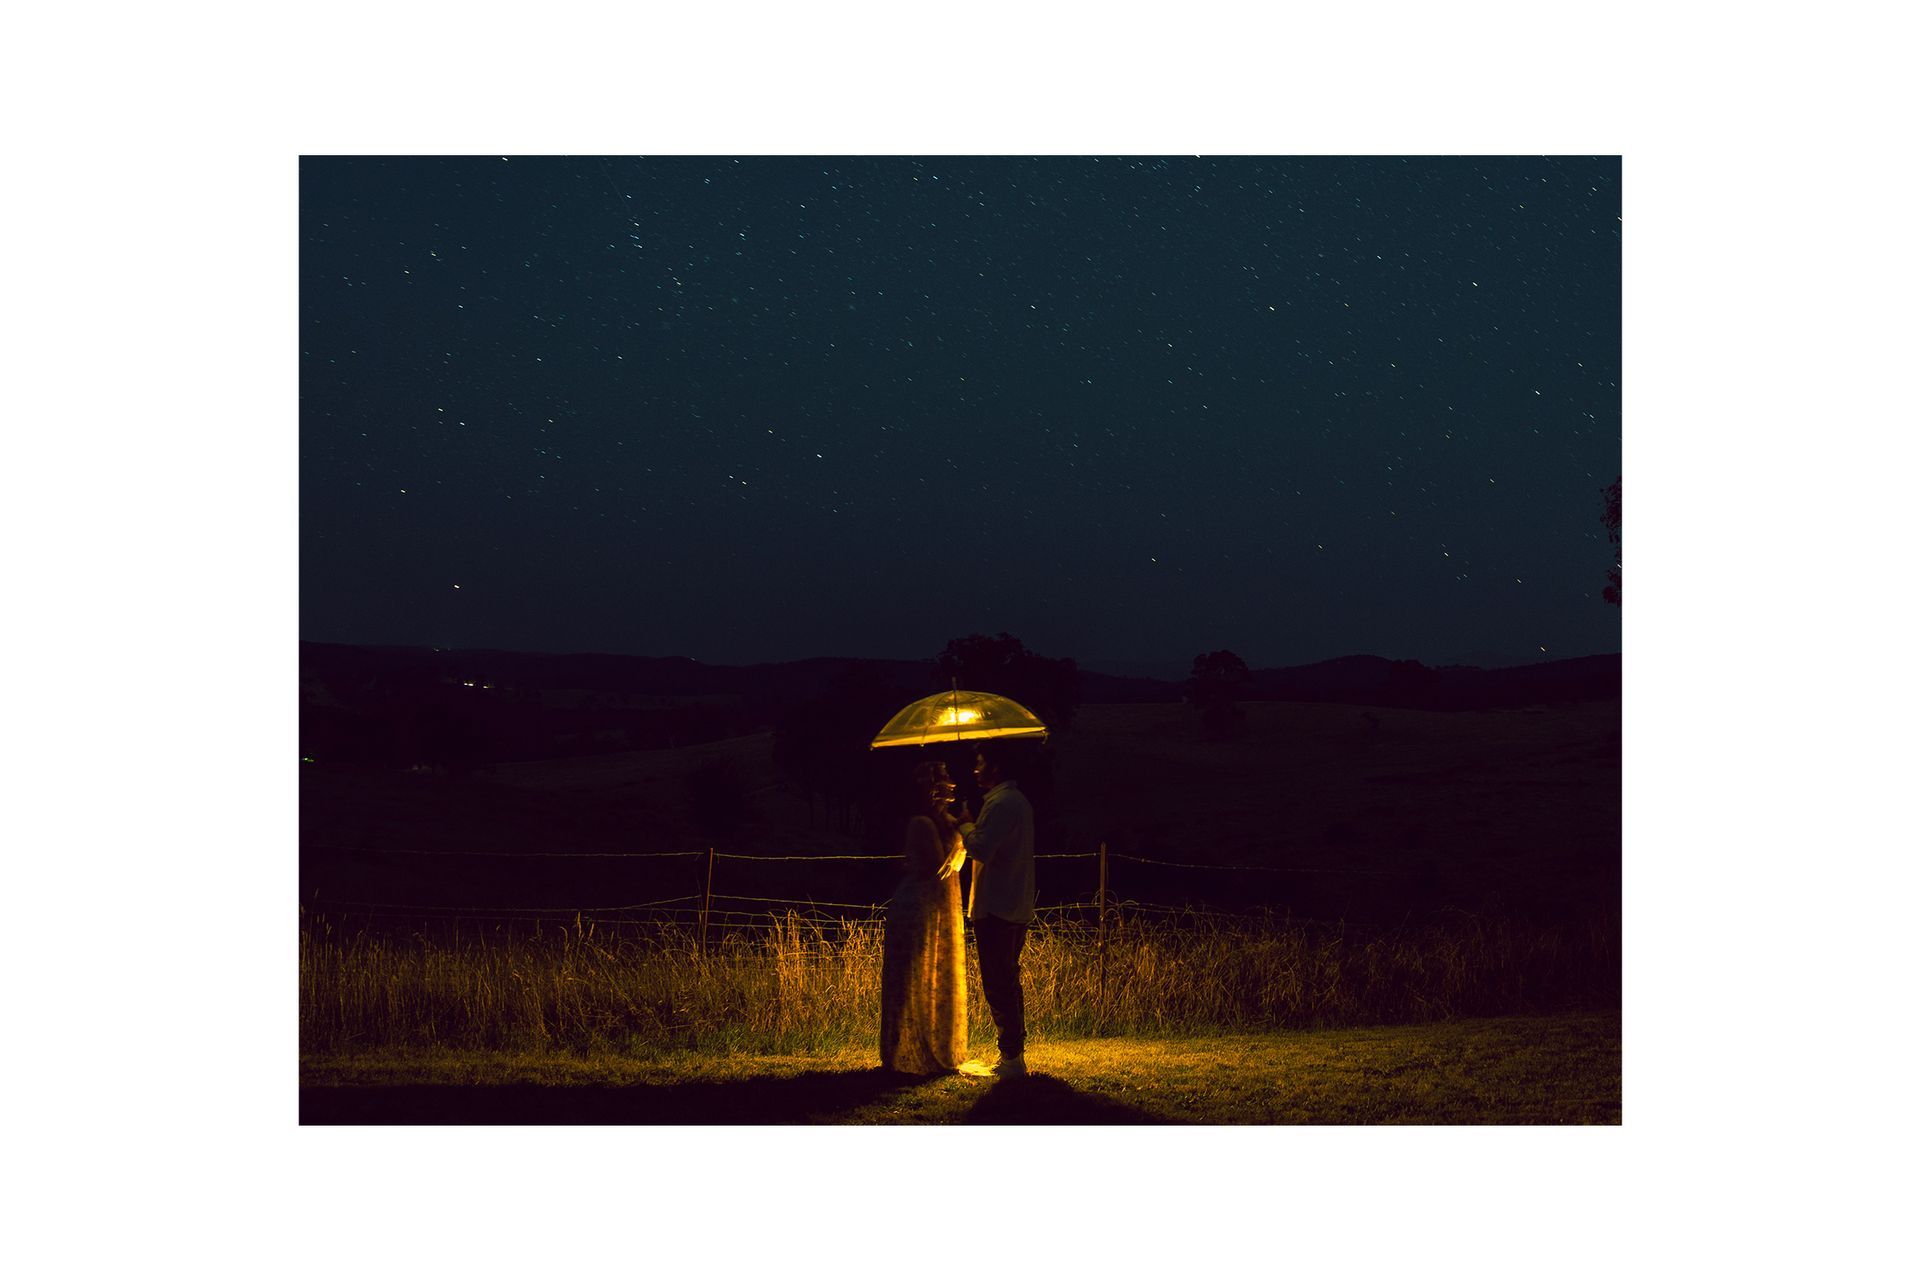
[(814, 1097), (1042, 1099), (811, 1097)]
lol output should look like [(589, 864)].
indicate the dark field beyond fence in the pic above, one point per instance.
[(798, 983)]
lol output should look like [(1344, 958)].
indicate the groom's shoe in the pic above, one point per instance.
[(1010, 1068)]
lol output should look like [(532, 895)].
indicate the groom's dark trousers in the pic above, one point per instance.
[(999, 943)]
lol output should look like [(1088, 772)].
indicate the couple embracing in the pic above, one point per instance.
[(923, 972)]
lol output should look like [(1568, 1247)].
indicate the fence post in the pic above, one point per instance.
[(1101, 907), (706, 902)]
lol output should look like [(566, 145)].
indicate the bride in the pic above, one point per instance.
[(923, 973)]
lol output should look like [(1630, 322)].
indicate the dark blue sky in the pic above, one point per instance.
[(1126, 409)]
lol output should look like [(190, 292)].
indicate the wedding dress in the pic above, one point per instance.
[(923, 974)]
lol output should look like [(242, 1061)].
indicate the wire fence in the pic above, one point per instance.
[(713, 912), (520, 855), (677, 853)]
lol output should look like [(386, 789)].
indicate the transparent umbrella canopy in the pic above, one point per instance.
[(959, 715)]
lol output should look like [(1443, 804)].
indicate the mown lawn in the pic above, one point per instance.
[(1547, 1070)]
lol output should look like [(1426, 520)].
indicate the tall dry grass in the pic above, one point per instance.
[(795, 985)]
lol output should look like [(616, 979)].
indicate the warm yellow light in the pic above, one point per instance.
[(959, 715)]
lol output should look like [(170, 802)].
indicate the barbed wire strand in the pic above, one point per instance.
[(496, 853), (454, 906), (799, 902), (722, 916), (688, 853), (809, 857), (1212, 866), (809, 909)]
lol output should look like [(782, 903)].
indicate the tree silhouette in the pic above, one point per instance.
[(1215, 683), (1611, 518), (1048, 687)]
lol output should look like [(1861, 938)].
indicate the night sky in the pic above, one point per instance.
[(1128, 410)]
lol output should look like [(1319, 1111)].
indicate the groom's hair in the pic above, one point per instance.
[(1000, 755)]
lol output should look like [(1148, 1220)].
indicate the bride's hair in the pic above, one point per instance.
[(929, 777), (928, 780)]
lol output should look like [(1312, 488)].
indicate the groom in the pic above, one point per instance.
[(1000, 902)]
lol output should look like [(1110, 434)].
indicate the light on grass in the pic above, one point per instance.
[(799, 984)]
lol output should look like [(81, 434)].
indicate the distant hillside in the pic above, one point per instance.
[(360, 665), (1167, 671), (1370, 681), (1358, 680), (466, 706)]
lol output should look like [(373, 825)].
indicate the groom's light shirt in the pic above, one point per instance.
[(1001, 846)]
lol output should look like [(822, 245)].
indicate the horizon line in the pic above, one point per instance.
[(1083, 664)]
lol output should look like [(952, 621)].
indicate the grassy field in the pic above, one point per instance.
[(809, 987), (1443, 943), (1548, 1070)]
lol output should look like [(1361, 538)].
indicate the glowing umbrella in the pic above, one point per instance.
[(959, 715)]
